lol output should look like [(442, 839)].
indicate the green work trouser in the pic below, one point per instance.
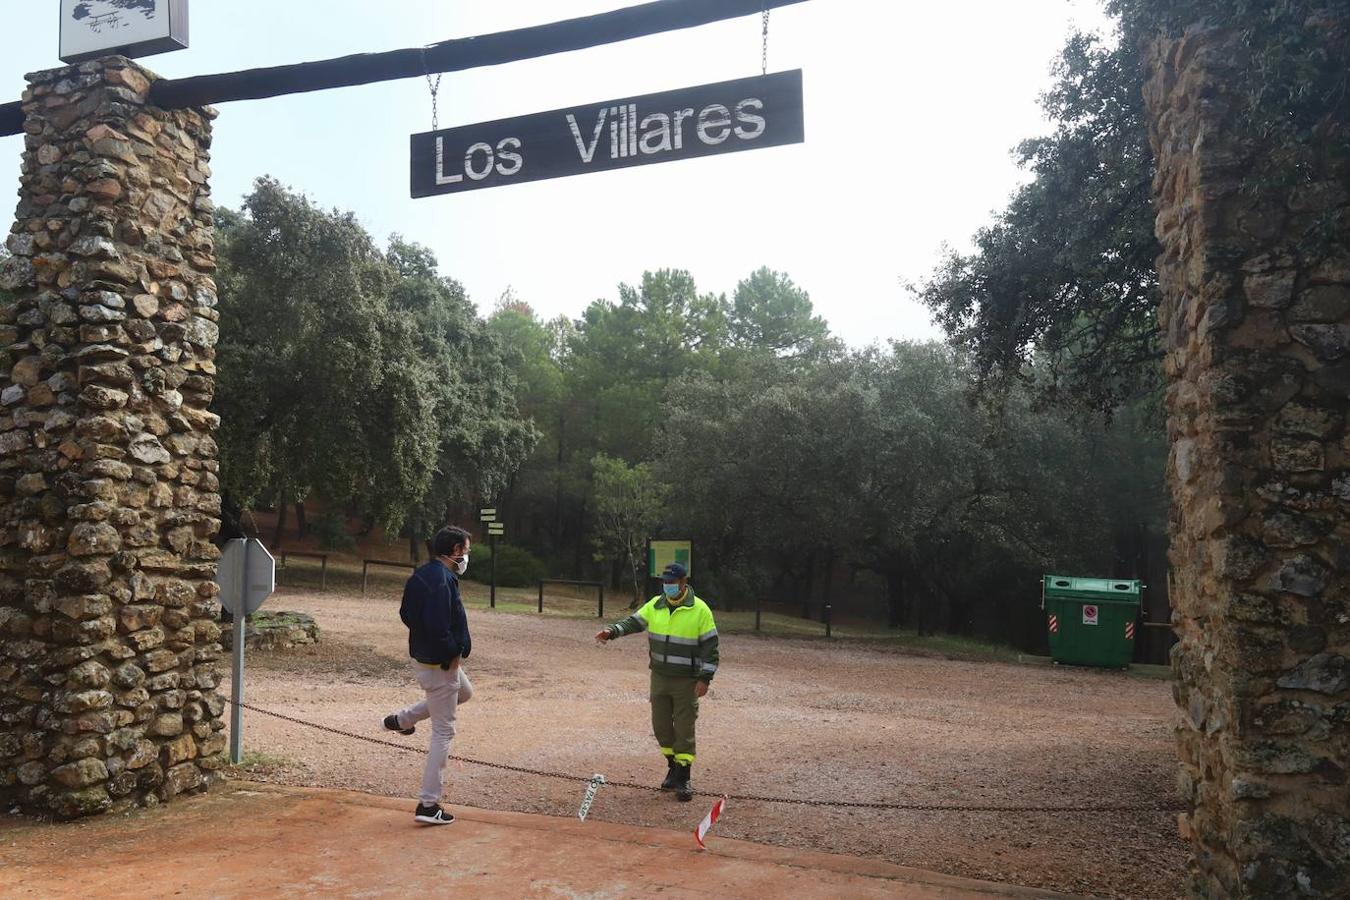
[(674, 711)]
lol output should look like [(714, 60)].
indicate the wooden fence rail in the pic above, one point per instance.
[(367, 563)]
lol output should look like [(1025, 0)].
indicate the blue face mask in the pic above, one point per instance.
[(672, 590)]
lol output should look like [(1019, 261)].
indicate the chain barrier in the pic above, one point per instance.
[(751, 798)]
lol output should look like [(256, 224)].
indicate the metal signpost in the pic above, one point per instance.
[(495, 528), (747, 114), (247, 577)]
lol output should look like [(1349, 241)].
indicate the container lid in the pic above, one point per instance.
[(1092, 588)]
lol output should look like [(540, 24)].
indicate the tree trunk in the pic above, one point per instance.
[(636, 571), (921, 605), (895, 599), (414, 528), (579, 549), (557, 523), (829, 579), (300, 521), (282, 506), (804, 586)]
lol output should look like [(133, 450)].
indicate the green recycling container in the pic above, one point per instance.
[(1091, 621)]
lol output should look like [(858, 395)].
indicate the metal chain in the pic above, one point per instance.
[(764, 54), (748, 798), (434, 87)]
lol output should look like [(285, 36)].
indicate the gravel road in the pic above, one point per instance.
[(785, 717)]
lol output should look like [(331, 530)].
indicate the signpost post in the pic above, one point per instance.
[(247, 577), (746, 114), (489, 516)]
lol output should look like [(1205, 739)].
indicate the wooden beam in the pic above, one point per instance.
[(448, 56), (11, 118)]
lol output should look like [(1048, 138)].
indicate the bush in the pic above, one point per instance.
[(516, 566), (331, 533)]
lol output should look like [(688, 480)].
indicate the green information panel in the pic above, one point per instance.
[(662, 553)]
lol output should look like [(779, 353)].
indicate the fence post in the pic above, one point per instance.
[(541, 596), (365, 569), (282, 573), (827, 620), (759, 603), (601, 613), (323, 573)]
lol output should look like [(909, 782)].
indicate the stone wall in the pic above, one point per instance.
[(1257, 332), (108, 488)]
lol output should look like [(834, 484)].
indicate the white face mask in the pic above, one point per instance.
[(462, 564)]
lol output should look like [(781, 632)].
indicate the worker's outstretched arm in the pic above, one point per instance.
[(630, 625)]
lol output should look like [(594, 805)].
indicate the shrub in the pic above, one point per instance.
[(516, 566), (331, 533)]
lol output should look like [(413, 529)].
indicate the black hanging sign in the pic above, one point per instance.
[(764, 111)]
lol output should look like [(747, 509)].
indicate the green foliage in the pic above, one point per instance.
[(314, 360), (628, 506), (622, 356), (332, 534), (880, 460), (770, 315), (516, 566), (482, 438), (359, 376), (1291, 78), (742, 423), (1062, 289)]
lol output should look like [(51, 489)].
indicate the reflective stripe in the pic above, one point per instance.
[(684, 759), (670, 638), (668, 751), (710, 633), (709, 667), (673, 660)]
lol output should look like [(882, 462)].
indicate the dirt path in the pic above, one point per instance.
[(247, 840), (785, 717)]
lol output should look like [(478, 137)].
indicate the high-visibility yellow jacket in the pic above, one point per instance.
[(682, 640)]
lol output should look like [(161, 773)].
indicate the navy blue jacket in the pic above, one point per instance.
[(438, 630)]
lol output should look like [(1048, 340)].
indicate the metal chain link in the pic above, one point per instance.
[(764, 55), (748, 798), (434, 87)]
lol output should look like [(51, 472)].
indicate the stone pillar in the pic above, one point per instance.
[(1256, 319), (108, 489)]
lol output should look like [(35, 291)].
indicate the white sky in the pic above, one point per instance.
[(912, 109)]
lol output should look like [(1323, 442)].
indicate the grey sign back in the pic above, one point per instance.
[(727, 117)]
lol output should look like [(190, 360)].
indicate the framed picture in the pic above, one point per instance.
[(94, 28)]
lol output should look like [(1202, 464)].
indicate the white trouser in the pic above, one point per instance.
[(445, 690)]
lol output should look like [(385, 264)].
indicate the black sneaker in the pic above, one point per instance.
[(391, 722), (432, 815)]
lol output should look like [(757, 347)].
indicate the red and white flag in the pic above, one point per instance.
[(708, 821)]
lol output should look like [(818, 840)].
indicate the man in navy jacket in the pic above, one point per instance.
[(438, 643)]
